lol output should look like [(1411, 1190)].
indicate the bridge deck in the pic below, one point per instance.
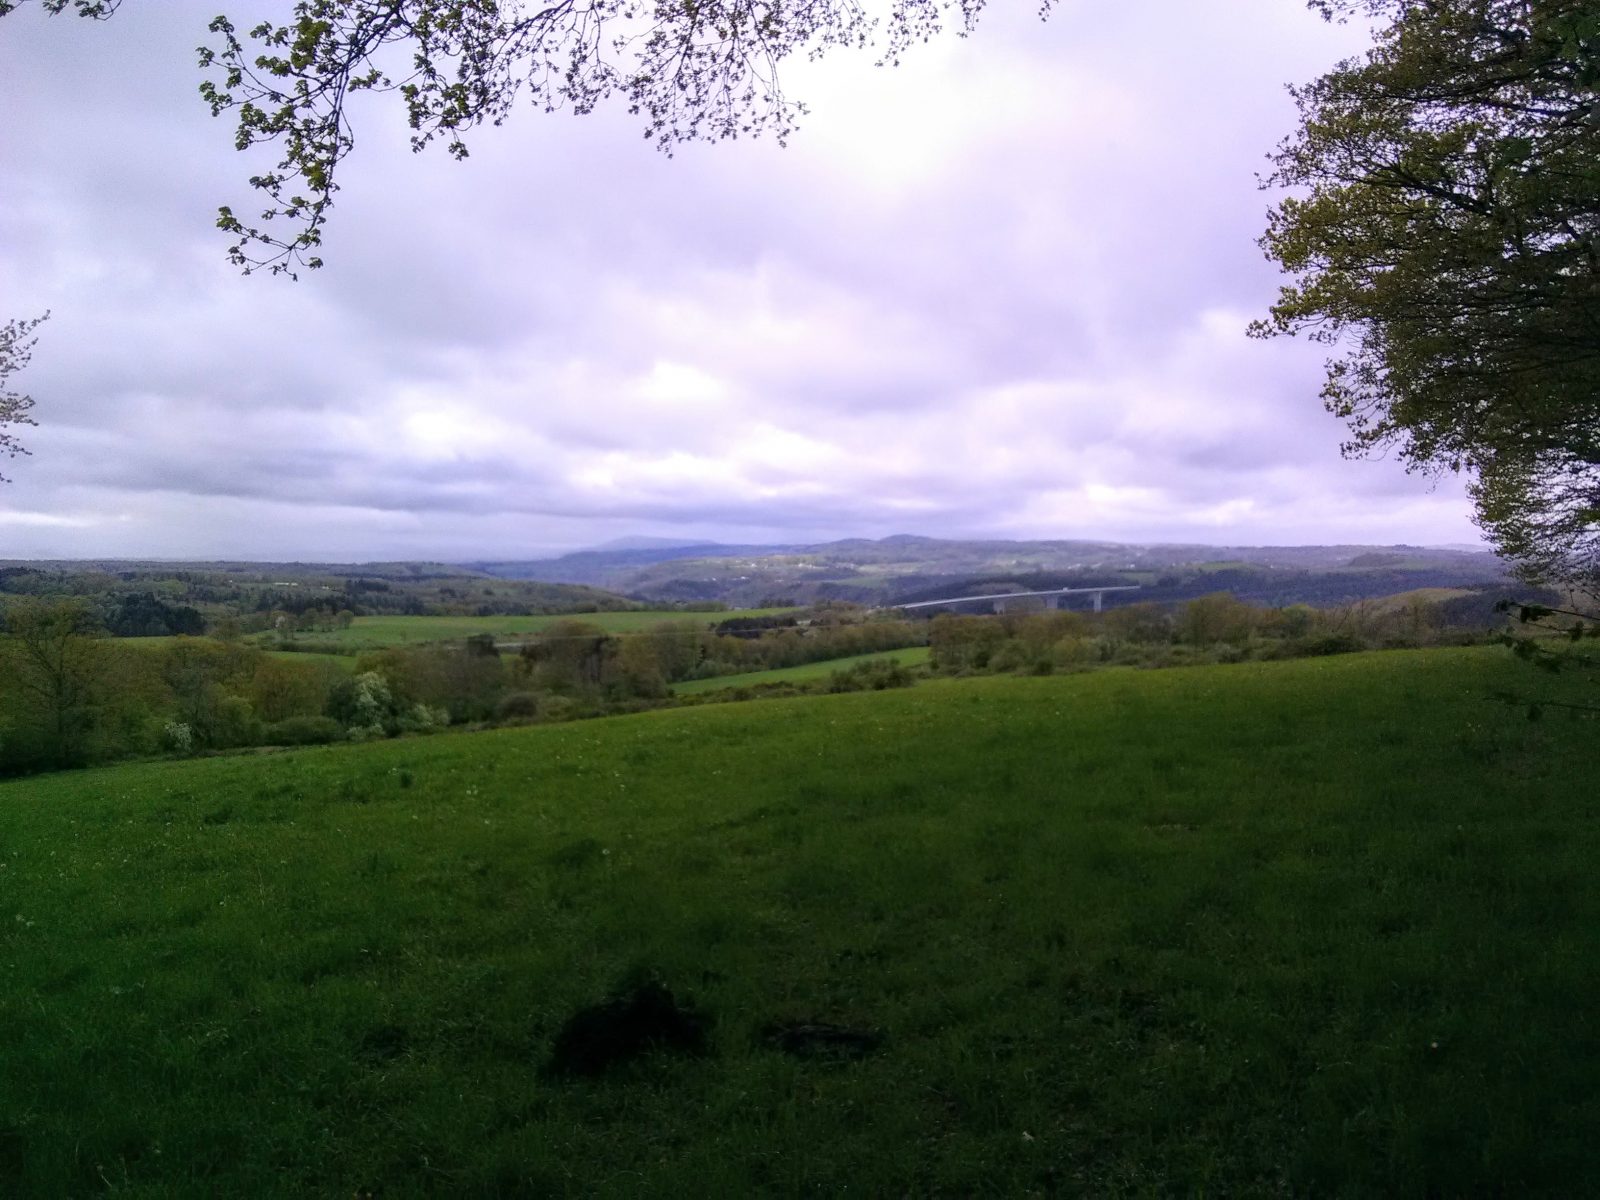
[(1083, 591)]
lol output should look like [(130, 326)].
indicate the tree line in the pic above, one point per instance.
[(70, 695), (1216, 628), (263, 596)]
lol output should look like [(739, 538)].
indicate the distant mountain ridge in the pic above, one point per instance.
[(907, 566), (612, 561)]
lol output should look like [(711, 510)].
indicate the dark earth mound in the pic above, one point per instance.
[(630, 1024)]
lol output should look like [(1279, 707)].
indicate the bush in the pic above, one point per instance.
[(1009, 656), (420, 718), (24, 750), (235, 724), (1330, 643), (303, 731), (364, 703), (870, 676), (177, 738), (558, 708), (1072, 652), (518, 706)]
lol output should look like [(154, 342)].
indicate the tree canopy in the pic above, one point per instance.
[(1442, 228), (689, 69)]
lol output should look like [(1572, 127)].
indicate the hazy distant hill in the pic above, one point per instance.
[(243, 589), (905, 567), (613, 562)]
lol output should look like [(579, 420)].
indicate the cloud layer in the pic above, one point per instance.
[(999, 290)]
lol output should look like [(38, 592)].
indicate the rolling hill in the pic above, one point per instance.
[(905, 568)]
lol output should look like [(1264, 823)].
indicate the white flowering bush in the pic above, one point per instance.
[(177, 737), (420, 718), (364, 705)]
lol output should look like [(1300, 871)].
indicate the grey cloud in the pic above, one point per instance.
[(1001, 291)]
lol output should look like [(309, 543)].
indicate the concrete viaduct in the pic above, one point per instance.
[(1052, 598)]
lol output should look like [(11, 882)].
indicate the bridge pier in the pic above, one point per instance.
[(1051, 602), (1053, 598)]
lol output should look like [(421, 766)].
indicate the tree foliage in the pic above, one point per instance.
[(1442, 227), (56, 660), (16, 350), (1550, 638), (689, 69)]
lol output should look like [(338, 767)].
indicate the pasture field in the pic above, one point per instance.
[(1401, 600), (375, 633), (1323, 927), (911, 656), (344, 662), (159, 643)]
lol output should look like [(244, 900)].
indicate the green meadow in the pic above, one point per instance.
[(1320, 927), (911, 656), (374, 633), (342, 661)]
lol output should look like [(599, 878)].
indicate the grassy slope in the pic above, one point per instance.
[(1402, 600), (343, 661), (911, 656), (1324, 926), (368, 633)]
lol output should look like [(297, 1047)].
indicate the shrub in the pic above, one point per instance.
[(177, 738), (1330, 643), (870, 676), (1009, 655), (24, 749), (515, 706), (558, 708), (420, 718), (1072, 651), (364, 703), (303, 731), (235, 723)]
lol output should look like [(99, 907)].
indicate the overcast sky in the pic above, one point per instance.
[(1001, 290)]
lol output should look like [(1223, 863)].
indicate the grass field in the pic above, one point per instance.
[(157, 643), (372, 633), (1402, 600), (1325, 927), (910, 657), (344, 662)]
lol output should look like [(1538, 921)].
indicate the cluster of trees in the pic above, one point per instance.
[(70, 695), (572, 657), (1209, 629), (143, 614)]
